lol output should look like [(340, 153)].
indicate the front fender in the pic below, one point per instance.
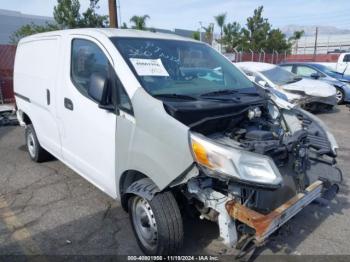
[(155, 145)]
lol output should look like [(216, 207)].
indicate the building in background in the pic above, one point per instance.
[(330, 39), (325, 44)]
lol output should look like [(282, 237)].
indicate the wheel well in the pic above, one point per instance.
[(127, 178), (26, 119)]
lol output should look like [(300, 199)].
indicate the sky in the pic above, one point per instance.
[(186, 14)]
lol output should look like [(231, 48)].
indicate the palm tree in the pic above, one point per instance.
[(139, 21), (220, 20), (208, 33), (296, 37)]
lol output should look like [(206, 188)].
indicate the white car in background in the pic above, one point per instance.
[(311, 94), (342, 64)]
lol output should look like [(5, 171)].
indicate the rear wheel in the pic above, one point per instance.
[(36, 152), (157, 224), (339, 95)]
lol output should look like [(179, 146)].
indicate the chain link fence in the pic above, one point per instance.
[(7, 58), (279, 57), (262, 56)]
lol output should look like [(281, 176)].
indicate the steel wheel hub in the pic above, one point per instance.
[(31, 144), (144, 223)]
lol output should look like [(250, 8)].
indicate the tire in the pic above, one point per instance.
[(35, 151), (339, 95), (157, 224), (329, 107)]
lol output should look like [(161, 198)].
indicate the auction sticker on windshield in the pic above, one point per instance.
[(149, 67)]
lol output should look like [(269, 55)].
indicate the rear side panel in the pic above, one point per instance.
[(35, 74)]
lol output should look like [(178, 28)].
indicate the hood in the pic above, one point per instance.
[(192, 112), (311, 87), (344, 78)]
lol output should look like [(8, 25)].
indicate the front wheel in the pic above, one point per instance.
[(157, 224), (339, 95)]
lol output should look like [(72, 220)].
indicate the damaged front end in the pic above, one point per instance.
[(258, 167)]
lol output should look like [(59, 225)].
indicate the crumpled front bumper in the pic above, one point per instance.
[(265, 225), (330, 100)]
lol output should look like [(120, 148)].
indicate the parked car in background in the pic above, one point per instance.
[(321, 72), (312, 94), (342, 65)]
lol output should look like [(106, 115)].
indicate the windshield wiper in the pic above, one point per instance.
[(176, 96), (220, 92)]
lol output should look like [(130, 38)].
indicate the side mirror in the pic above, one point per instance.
[(263, 83), (315, 75), (98, 90), (251, 78)]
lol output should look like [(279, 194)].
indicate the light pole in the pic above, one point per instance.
[(112, 6), (119, 14)]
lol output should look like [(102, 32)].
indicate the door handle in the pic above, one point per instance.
[(68, 104), (48, 100)]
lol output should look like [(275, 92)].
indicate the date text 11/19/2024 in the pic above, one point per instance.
[(173, 258)]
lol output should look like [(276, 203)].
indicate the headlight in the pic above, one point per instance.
[(233, 162)]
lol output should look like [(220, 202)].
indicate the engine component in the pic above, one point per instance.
[(254, 113), (259, 135)]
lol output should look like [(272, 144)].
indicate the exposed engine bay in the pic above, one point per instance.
[(295, 143), (299, 155)]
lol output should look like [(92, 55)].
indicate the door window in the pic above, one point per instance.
[(123, 100), (86, 59), (305, 71), (289, 68), (346, 58)]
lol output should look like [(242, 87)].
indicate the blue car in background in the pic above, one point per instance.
[(321, 72)]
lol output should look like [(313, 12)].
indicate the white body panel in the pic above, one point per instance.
[(311, 87), (36, 69)]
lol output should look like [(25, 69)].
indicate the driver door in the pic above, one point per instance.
[(88, 132)]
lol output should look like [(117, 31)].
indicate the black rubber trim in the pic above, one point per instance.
[(22, 97), (48, 97)]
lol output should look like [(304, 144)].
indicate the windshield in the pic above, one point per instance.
[(181, 68), (329, 71), (280, 76)]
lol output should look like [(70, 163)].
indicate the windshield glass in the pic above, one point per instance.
[(185, 68), (280, 76), (329, 71)]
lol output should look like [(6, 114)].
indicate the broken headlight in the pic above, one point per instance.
[(234, 162)]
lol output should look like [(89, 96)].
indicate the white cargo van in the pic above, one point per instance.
[(161, 122)]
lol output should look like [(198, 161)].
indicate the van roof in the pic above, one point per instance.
[(111, 32)]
